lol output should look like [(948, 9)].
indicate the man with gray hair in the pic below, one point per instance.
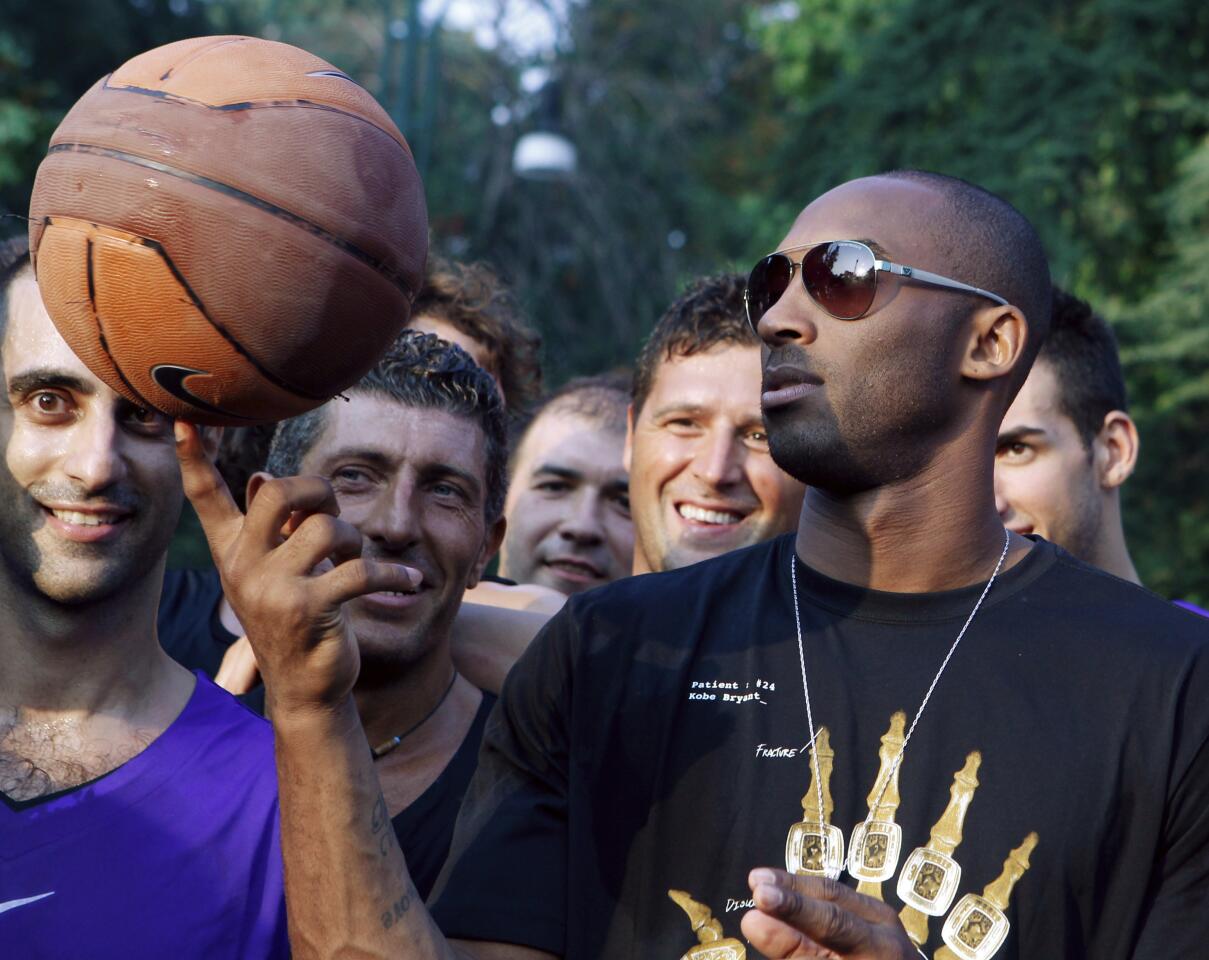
[(416, 457)]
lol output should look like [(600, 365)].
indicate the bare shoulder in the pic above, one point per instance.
[(531, 597)]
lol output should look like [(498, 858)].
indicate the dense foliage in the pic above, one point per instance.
[(702, 127)]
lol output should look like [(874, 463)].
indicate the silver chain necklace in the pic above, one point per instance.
[(842, 862)]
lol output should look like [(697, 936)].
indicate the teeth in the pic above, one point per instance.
[(85, 519), (689, 512)]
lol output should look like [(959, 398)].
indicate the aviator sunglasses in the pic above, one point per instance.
[(839, 275)]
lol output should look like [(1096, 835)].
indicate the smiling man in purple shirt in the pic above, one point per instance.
[(138, 807)]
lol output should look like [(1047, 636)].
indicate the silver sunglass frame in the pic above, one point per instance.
[(879, 265)]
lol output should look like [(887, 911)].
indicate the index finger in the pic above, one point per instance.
[(204, 486), (823, 889)]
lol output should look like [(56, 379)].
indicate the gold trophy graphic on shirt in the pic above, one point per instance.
[(929, 879), (814, 847), (712, 946), (875, 845), (978, 925)]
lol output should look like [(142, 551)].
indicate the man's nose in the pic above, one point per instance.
[(719, 459), (582, 523), (394, 520), (94, 456), (1001, 500), (790, 319)]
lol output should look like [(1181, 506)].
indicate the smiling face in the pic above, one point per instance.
[(1045, 478), (568, 505), (90, 485), (855, 404), (702, 481), (411, 480)]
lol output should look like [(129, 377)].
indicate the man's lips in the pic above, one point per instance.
[(395, 601), (85, 523), (574, 569), (786, 384)]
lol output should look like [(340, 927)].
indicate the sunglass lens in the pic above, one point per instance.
[(840, 277), (768, 282)]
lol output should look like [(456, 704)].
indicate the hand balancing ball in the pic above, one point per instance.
[(228, 230)]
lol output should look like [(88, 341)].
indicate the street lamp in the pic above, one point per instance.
[(546, 154)]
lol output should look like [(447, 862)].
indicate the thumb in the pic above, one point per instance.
[(204, 486)]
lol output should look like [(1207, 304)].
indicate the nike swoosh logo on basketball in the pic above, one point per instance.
[(171, 378), (13, 904)]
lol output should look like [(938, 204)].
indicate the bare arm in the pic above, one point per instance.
[(488, 640), (347, 885), (348, 891)]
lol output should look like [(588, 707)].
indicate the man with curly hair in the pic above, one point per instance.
[(428, 493), (467, 304)]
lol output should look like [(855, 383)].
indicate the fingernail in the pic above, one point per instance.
[(179, 431), (761, 875), (769, 895)]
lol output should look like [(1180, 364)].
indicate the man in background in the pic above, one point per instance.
[(702, 482), (1067, 443), (568, 504)]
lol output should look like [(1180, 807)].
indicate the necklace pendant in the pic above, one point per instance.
[(814, 849), (929, 881), (975, 929), (873, 850)]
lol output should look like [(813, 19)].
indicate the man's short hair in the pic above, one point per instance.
[(14, 255), (423, 371), (1081, 350), (990, 244), (600, 399), (710, 312), (470, 297)]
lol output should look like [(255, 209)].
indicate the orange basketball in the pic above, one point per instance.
[(229, 230)]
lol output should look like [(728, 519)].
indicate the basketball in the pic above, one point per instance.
[(228, 230)]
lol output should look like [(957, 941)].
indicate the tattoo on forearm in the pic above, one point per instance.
[(394, 913), (380, 825)]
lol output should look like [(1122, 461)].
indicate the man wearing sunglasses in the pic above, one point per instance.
[(1002, 750)]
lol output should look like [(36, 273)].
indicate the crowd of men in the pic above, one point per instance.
[(835, 581)]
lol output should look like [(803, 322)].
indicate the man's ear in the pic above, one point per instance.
[(211, 437), (997, 341), (1115, 449), (255, 482), (627, 452), (491, 546)]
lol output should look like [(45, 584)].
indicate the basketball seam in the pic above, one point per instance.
[(260, 104), (196, 300), (266, 206), (96, 315)]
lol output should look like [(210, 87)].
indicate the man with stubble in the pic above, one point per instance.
[(901, 697), (138, 812)]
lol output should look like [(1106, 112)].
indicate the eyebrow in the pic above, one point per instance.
[(1017, 434), (566, 473), (695, 409), (47, 378)]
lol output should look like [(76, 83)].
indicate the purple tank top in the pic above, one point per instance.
[(175, 854)]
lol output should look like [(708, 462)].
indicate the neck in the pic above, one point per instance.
[(1110, 552), (392, 700), (937, 530), (102, 658)]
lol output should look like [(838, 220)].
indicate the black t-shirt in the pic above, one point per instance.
[(188, 622), (190, 628), (425, 827), (653, 739)]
